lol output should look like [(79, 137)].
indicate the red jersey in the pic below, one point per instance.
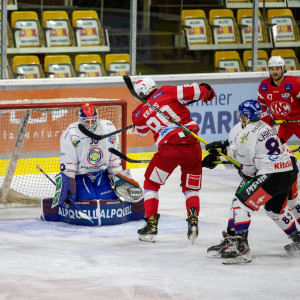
[(283, 101), (167, 99)]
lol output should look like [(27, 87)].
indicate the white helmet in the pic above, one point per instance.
[(145, 87), (276, 61)]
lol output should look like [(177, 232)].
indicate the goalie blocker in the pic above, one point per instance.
[(129, 206)]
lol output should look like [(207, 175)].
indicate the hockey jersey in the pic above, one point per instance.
[(258, 149), (82, 155), (169, 100), (283, 100)]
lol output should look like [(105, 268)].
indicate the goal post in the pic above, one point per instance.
[(30, 132)]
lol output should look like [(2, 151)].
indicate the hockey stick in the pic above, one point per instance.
[(133, 93), (123, 156), (80, 211), (100, 137), (286, 121)]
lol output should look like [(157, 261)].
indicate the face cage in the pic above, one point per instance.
[(90, 123)]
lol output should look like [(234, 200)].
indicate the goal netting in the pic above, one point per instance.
[(30, 132)]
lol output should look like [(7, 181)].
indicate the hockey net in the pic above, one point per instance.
[(30, 132)]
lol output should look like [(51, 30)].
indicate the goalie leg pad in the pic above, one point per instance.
[(125, 187)]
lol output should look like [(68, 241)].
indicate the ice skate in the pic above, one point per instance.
[(226, 243), (238, 253), (294, 247), (192, 224), (149, 232)]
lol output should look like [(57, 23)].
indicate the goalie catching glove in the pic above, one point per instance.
[(211, 93), (125, 187)]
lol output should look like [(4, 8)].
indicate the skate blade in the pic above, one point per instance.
[(292, 250), (147, 238), (237, 260), (193, 235)]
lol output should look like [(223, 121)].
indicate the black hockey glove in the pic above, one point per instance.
[(208, 160), (218, 145)]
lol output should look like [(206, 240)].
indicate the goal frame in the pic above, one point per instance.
[(27, 105)]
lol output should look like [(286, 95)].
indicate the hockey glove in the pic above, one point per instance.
[(219, 145), (208, 161), (211, 93)]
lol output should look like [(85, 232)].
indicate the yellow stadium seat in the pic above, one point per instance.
[(27, 67), (117, 64), (225, 29), (244, 20), (286, 29), (88, 30), (196, 26), (89, 65), (228, 61), (262, 60), (58, 29), (290, 58), (58, 66), (27, 29)]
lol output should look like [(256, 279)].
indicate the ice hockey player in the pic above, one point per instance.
[(175, 148), (269, 174), (88, 170), (280, 94)]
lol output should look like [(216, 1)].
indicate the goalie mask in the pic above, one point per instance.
[(125, 187), (88, 116), (145, 87)]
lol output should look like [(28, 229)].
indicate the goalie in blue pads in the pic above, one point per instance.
[(89, 173)]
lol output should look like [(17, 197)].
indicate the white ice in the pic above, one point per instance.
[(45, 260)]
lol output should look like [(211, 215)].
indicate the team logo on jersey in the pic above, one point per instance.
[(137, 113), (112, 139), (157, 95), (94, 156), (280, 108), (76, 143), (243, 138), (269, 97), (285, 95), (288, 87), (264, 87)]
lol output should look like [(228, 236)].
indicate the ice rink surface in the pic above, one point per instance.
[(44, 260)]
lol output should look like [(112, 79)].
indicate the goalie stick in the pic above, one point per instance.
[(133, 93), (80, 211), (99, 137)]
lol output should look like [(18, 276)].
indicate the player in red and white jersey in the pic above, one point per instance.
[(281, 95), (175, 147)]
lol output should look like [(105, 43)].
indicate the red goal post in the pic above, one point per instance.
[(30, 132)]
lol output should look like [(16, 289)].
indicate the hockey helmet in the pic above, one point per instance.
[(251, 109), (88, 116), (276, 61), (145, 87)]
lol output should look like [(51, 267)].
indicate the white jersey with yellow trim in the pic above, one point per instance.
[(80, 154)]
